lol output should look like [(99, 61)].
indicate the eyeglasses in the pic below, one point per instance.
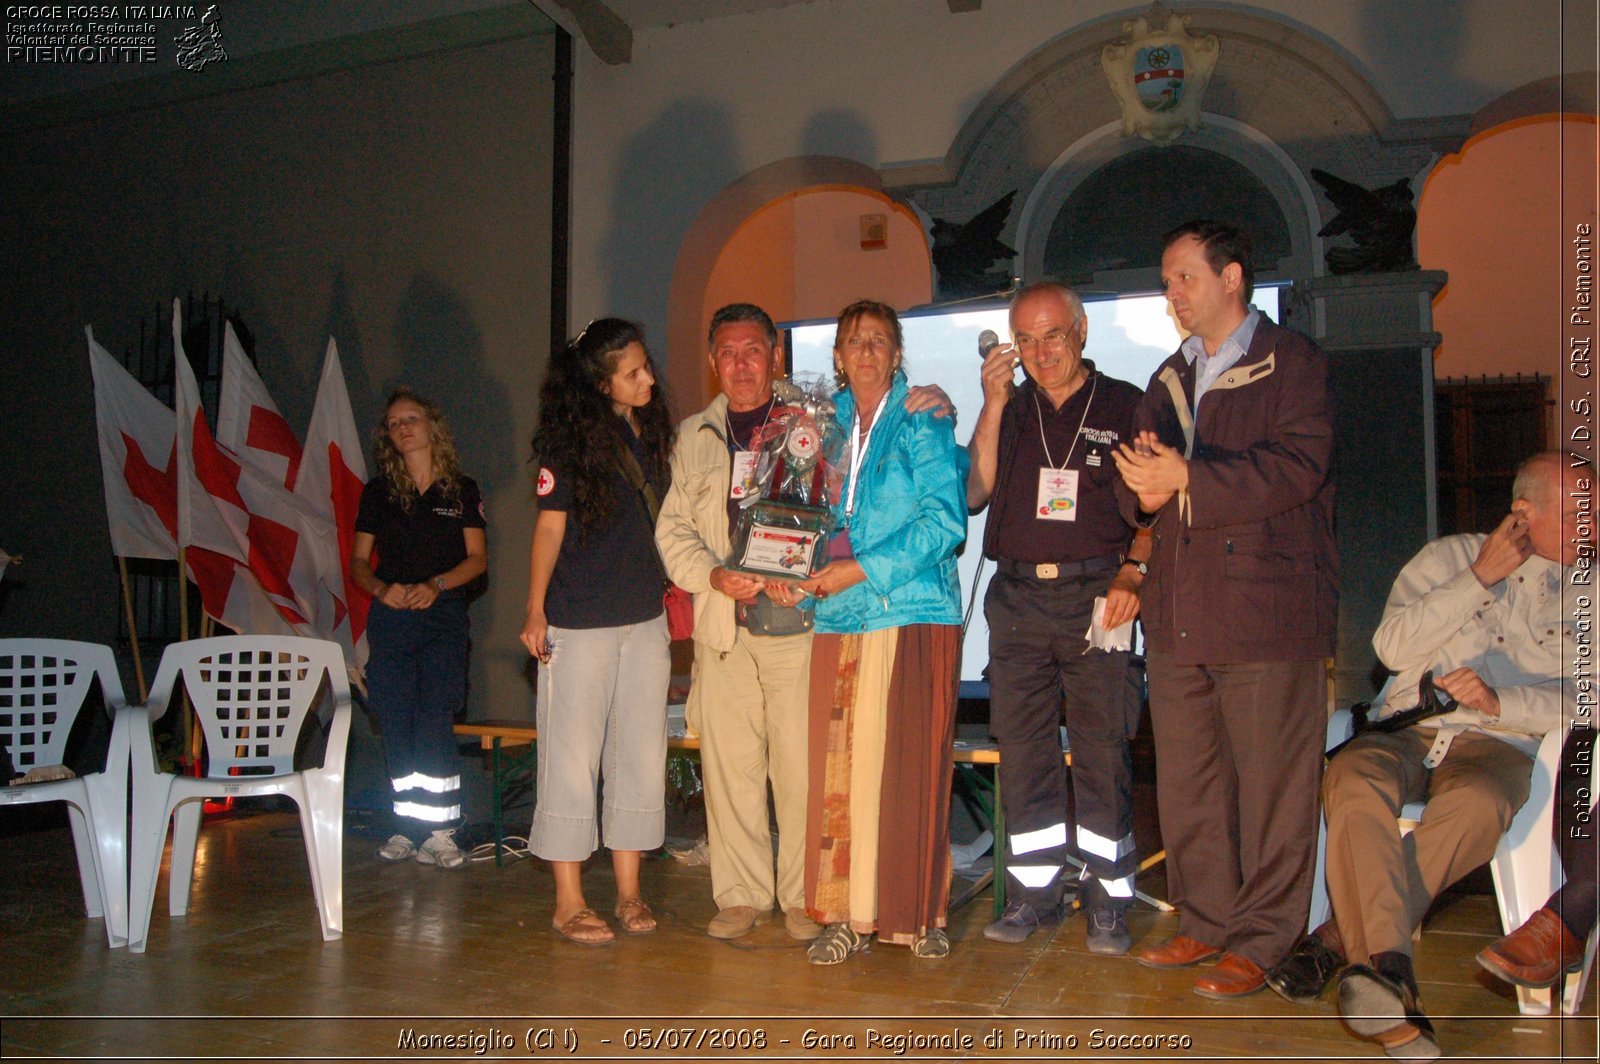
[(1054, 340)]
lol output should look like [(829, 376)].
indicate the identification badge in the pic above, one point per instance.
[(742, 485), (1058, 495)]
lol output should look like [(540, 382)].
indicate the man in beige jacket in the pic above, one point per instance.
[(745, 702)]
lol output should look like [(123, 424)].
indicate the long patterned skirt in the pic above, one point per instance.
[(882, 718)]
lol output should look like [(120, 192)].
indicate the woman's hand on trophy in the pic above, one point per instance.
[(784, 592), (834, 578)]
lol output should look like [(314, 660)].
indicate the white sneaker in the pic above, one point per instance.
[(440, 849), (398, 848)]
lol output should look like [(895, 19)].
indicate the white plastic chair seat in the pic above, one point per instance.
[(251, 695), (43, 685), (1526, 865)]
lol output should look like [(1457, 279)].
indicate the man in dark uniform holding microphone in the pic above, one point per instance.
[(1042, 455)]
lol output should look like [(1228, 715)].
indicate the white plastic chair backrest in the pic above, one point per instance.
[(43, 685), (250, 695)]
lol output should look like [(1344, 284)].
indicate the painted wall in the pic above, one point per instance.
[(769, 260), (890, 82), (402, 207), (1498, 216)]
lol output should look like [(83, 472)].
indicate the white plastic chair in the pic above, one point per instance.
[(251, 694), (43, 686), (1526, 865)]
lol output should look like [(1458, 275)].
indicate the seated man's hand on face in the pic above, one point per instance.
[(1507, 547)]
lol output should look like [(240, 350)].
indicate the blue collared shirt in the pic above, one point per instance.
[(1230, 351)]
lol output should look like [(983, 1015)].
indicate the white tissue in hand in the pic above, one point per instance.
[(1118, 638)]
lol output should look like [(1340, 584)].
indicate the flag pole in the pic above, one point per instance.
[(186, 729), (133, 630)]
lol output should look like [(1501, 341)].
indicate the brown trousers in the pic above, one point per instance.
[(1380, 884), (1238, 767)]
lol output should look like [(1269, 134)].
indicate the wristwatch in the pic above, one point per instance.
[(1144, 570)]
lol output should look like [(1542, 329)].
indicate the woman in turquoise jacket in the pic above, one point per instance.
[(885, 662)]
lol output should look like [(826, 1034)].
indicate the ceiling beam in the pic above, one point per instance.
[(610, 38)]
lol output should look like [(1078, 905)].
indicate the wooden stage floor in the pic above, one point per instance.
[(469, 954)]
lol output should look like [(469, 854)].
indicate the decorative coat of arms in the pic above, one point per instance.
[(1159, 75)]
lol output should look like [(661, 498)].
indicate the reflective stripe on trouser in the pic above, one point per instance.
[(416, 683), (434, 800), (1042, 674), (1027, 861)]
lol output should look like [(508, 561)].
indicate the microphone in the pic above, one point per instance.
[(987, 341)]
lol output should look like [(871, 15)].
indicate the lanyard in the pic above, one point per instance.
[(733, 441), (1039, 412), (858, 452)]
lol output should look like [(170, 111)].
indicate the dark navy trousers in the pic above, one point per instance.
[(416, 684)]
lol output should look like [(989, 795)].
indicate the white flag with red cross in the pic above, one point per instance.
[(248, 422), (332, 474), (230, 509), (138, 460), (139, 469)]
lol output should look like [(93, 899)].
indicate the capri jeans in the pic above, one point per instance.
[(602, 713)]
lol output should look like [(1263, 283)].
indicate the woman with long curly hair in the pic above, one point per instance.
[(595, 621), (424, 518)]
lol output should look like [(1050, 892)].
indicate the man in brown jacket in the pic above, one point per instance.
[(1231, 469)]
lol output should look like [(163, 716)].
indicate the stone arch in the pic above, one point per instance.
[(1569, 94), (1234, 143), (1280, 102), (711, 231)]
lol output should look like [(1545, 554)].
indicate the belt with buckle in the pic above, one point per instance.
[(1058, 570)]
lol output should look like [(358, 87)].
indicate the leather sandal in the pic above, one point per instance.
[(585, 928), (836, 942), (932, 946), (634, 917)]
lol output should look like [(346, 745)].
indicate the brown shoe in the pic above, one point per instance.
[(1233, 977), (799, 925), (1535, 954), (737, 921), (1179, 951)]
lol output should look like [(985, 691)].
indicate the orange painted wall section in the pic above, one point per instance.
[(800, 257), (1497, 216)]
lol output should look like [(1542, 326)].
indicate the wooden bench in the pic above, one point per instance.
[(510, 770), (517, 770)]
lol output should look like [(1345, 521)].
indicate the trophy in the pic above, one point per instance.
[(784, 524)]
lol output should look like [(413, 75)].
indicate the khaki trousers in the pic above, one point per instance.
[(749, 706), (1380, 885)]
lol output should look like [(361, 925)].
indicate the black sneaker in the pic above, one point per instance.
[(1108, 931), (1302, 976), (1019, 921)]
